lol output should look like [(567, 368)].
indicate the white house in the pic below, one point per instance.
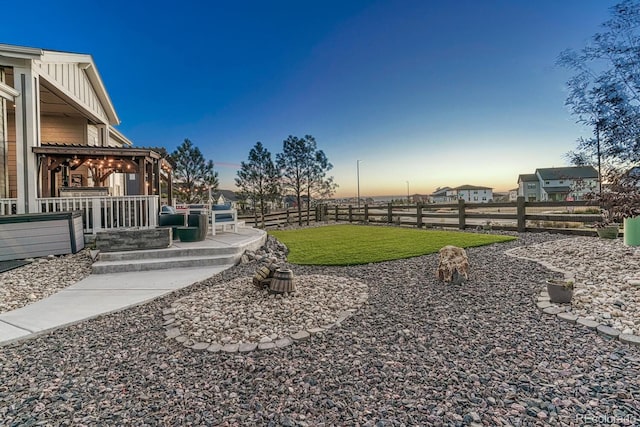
[(444, 195), (58, 140), (474, 194)]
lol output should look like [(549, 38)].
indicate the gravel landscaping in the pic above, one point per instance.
[(417, 352)]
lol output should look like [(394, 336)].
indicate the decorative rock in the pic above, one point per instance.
[(200, 346), (214, 348), (591, 324), (170, 310), (453, 265), (265, 340), (247, 347), (553, 310), (568, 317), (230, 348), (283, 342), (630, 339), (608, 331), (266, 346), (300, 335), (313, 331), (182, 338), (173, 333), (544, 304)]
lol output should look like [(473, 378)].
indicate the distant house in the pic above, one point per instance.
[(444, 195), (558, 184), (513, 194), (474, 194)]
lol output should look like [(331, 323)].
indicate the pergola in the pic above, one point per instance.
[(150, 168)]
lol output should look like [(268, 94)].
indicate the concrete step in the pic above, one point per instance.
[(128, 265), (168, 253)]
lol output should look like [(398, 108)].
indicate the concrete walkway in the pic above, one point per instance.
[(100, 294)]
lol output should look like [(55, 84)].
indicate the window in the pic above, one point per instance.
[(484, 199), (561, 182), (475, 198), (531, 185), (475, 192), (546, 183)]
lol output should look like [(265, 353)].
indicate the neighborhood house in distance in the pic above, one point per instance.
[(558, 184)]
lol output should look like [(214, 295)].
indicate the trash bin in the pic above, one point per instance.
[(632, 231)]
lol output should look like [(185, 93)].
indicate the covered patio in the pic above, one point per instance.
[(60, 150)]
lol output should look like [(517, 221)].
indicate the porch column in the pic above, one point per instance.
[(27, 83)]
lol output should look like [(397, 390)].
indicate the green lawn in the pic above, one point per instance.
[(359, 244)]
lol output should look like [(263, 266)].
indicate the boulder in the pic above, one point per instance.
[(453, 266)]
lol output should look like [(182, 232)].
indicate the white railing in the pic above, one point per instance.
[(107, 212), (8, 206)]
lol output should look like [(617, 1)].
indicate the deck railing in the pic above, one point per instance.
[(8, 206), (107, 212)]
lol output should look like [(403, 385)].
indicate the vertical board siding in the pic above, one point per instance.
[(11, 156), (74, 80)]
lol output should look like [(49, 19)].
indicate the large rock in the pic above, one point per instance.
[(453, 266)]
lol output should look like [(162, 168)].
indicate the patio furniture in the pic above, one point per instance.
[(189, 234), (223, 215), (201, 222), (173, 220)]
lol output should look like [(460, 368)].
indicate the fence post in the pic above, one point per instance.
[(390, 213), (336, 213), (366, 213), (96, 214), (521, 212), (461, 217), (350, 213), (419, 215)]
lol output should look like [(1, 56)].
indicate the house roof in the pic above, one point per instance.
[(441, 191), (572, 172), (528, 177), (472, 187), (45, 61), (227, 194)]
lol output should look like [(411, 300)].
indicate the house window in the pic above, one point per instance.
[(484, 199), (475, 198), (546, 183), (561, 182), (531, 185), (475, 192)]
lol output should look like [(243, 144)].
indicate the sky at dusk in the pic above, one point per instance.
[(429, 93)]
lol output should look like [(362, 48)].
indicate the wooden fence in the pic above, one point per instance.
[(563, 217)]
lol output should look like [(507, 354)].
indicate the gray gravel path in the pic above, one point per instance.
[(418, 353)]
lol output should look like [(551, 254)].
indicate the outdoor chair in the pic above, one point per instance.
[(222, 215), (173, 220)]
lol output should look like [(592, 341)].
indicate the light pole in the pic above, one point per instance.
[(358, 178), (408, 192)]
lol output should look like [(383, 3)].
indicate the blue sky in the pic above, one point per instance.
[(431, 92)]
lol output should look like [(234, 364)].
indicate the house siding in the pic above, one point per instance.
[(11, 156), (66, 130), (74, 81), (4, 173)]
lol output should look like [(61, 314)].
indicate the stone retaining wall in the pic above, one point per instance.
[(133, 239)]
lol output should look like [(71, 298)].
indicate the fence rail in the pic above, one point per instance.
[(108, 212), (8, 206), (516, 216)]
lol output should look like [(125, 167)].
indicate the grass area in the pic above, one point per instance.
[(360, 244)]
